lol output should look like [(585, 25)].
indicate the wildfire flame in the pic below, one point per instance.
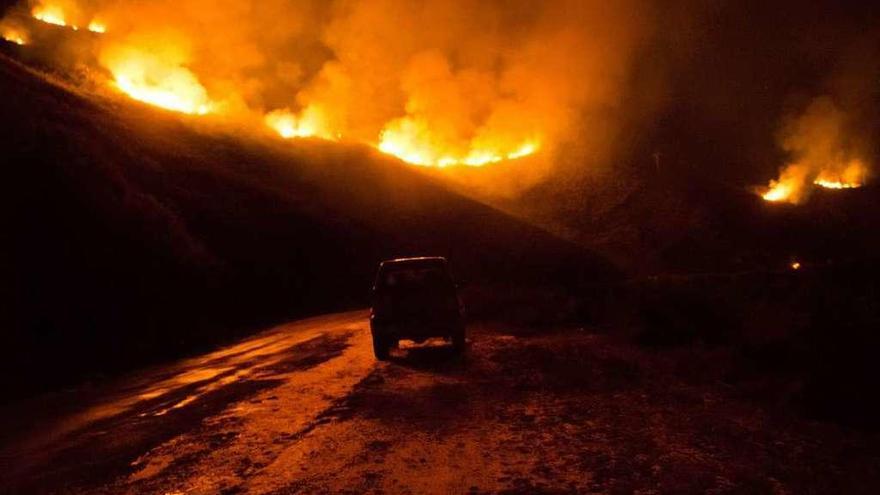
[(50, 14), (309, 124), (827, 149), (97, 27), (419, 151), (829, 184), (177, 93), (14, 36), (65, 14), (790, 186), (779, 191), (409, 147), (794, 181), (152, 79), (466, 96), (853, 176)]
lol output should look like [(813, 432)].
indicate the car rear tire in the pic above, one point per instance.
[(381, 348)]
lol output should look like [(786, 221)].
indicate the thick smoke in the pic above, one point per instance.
[(437, 81), (825, 146), (562, 86), (829, 139), (461, 75)]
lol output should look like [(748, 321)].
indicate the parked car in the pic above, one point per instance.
[(415, 299)]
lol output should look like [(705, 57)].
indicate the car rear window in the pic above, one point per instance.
[(426, 277)]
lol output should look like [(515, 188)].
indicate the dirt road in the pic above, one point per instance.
[(305, 408)]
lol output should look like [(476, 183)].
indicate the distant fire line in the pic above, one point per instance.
[(55, 15), (412, 151), (795, 180), (146, 77)]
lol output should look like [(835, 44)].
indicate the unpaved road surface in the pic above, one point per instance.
[(305, 408)]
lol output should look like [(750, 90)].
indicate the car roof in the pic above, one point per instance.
[(421, 260)]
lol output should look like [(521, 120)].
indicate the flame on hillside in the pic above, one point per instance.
[(66, 13), (97, 26), (13, 31), (825, 155), (853, 176), (14, 36), (794, 182), (403, 142), (50, 14), (500, 82), (157, 78), (417, 149), (309, 124)]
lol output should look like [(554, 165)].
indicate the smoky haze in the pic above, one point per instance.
[(460, 81), (565, 87)]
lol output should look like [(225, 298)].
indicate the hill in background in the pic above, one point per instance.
[(132, 234)]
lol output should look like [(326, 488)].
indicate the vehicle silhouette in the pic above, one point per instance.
[(415, 299)]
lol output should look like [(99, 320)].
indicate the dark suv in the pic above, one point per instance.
[(415, 299)]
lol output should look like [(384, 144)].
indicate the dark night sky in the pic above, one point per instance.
[(735, 69)]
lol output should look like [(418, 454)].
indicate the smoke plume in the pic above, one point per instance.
[(434, 82), (829, 139)]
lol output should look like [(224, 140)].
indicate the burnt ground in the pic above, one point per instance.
[(304, 408)]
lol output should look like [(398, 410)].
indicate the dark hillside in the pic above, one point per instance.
[(682, 218), (131, 232)]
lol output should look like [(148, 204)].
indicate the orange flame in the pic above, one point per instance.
[(779, 191), (152, 79), (827, 152), (416, 146), (97, 26), (14, 36), (468, 97), (790, 187), (794, 181), (395, 141), (50, 14), (309, 124), (853, 176)]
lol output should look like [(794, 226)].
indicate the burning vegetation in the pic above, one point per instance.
[(50, 14), (826, 155), (158, 77), (65, 13), (500, 81), (14, 36)]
